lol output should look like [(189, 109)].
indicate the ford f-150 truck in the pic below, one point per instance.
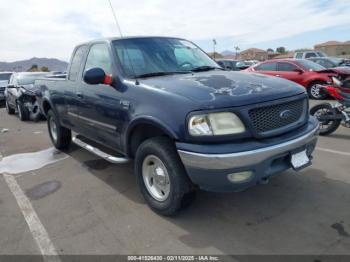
[(186, 122)]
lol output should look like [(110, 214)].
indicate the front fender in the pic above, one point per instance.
[(148, 120)]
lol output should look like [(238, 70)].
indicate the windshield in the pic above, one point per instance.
[(5, 77), (146, 56), (28, 79), (311, 66)]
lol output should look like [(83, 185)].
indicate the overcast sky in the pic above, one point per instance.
[(47, 28)]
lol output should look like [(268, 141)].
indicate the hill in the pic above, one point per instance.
[(52, 63), (227, 53)]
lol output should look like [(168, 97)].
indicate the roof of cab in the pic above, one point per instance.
[(110, 39)]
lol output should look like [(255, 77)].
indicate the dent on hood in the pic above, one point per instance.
[(223, 85)]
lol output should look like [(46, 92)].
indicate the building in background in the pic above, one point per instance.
[(286, 55), (272, 55), (334, 48)]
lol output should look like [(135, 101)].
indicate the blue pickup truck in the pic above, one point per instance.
[(185, 122)]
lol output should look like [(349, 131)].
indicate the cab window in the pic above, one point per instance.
[(309, 55), (76, 63), (266, 67), (287, 67), (299, 55), (99, 57)]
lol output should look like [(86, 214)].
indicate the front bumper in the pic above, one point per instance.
[(210, 171)]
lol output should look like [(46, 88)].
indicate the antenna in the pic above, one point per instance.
[(115, 18), (121, 36)]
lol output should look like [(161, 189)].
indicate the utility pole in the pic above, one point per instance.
[(237, 50)]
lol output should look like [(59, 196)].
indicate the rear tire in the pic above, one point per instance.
[(23, 112), (326, 127), (162, 177), (314, 91), (61, 137), (9, 109)]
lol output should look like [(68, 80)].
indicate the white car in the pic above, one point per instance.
[(309, 54)]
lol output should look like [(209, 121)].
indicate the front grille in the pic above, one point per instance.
[(274, 117), (2, 88)]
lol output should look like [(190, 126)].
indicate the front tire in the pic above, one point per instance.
[(23, 112), (314, 90), (162, 177), (327, 127), (61, 137), (9, 109)]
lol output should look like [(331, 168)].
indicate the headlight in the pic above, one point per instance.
[(336, 82), (216, 124)]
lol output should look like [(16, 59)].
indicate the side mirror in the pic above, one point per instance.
[(97, 76), (10, 86), (297, 70)]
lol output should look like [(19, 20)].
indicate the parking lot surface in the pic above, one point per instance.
[(88, 206)]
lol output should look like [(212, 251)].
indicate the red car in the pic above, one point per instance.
[(304, 72)]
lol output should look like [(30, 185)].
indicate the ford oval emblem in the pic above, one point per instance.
[(286, 114)]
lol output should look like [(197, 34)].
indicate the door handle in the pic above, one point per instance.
[(278, 76), (80, 95)]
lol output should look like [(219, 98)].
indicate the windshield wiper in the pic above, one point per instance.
[(205, 68), (161, 74)]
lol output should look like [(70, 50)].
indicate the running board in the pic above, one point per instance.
[(98, 152)]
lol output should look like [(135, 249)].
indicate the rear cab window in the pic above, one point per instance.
[(76, 63)]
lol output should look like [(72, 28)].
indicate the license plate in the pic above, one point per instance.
[(300, 160)]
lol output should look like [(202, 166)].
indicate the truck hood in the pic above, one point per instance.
[(219, 89)]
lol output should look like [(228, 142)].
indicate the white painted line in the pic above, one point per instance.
[(333, 151), (37, 229)]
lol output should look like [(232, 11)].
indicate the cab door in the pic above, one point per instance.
[(69, 108), (101, 110)]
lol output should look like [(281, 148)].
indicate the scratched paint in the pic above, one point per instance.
[(22, 163)]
